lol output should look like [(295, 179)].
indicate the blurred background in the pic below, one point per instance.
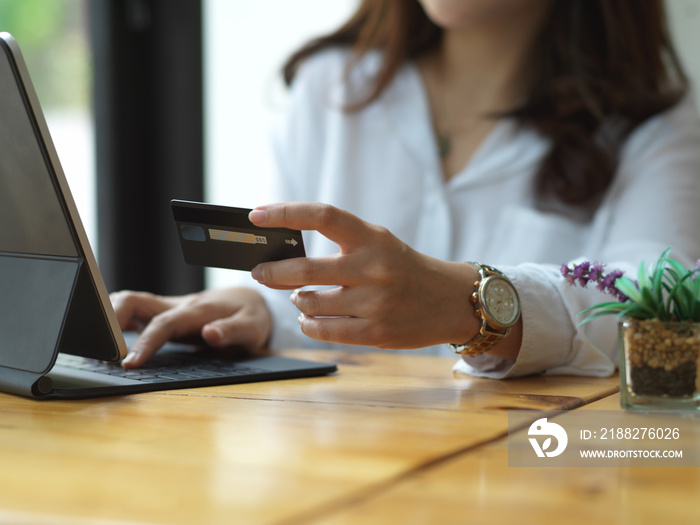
[(149, 100)]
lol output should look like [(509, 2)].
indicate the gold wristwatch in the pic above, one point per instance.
[(497, 304)]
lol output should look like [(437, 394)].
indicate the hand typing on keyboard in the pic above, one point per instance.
[(223, 318)]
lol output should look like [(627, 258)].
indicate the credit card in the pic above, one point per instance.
[(224, 237)]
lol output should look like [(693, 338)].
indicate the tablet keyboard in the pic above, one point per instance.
[(160, 369)]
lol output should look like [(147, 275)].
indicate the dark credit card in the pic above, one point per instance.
[(224, 237)]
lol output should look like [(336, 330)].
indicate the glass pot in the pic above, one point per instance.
[(659, 364)]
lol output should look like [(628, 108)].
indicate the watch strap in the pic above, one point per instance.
[(481, 343)]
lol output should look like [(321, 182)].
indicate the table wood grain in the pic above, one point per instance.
[(293, 451), (478, 487)]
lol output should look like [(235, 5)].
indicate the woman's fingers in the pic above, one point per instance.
[(354, 331), (345, 330), (304, 271), (250, 328), (386, 294), (236, 316), (166, 326), (341, 227), (348, 231), (333, 302), (134, 308)]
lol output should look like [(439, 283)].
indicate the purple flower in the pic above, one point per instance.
[(565, 271), (609, 282), (611, 278), (596, 272), (581, 270), (581, 273), (585, 273)]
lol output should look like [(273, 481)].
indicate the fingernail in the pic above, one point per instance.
[(130, 358), (257, 273), (258, 217), (293, 297)]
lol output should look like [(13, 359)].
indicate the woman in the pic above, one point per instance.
[(520, 134)]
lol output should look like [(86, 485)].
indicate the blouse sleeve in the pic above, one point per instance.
[(653, 203)]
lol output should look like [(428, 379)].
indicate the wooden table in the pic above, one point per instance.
[(389, 439)]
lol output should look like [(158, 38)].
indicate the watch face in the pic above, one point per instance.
[(500, 300)]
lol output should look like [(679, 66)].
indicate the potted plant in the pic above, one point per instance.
[(659, 324)]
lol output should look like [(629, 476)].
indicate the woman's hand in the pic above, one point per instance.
[(386, 294), (223, 318)]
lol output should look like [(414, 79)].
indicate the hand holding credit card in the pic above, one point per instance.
[(224, 237)]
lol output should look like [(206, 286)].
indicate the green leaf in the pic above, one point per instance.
[(674, 272), (677, 267), (695, 310), (689, 283), (661, 261), (594, 315), (649, 300), (681, 297), (696, 283), (658, 287), (642, 278), (612, 306), (601, 309), (627, 287)]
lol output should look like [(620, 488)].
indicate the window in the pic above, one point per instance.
[(245, 45), (53, 36), (684, 22)]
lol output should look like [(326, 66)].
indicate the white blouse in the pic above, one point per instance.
[(382, 164)]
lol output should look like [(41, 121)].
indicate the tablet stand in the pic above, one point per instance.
[(35, 300)]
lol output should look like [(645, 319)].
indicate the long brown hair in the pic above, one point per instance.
[(601, 68)]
